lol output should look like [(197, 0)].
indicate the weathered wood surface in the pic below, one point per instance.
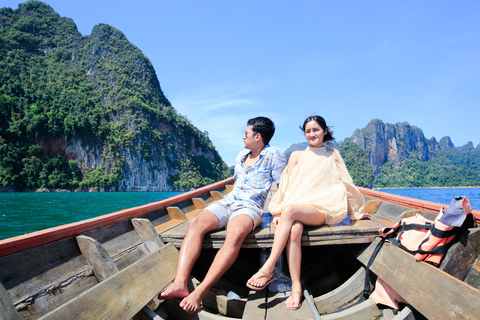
[(347, 232), (343, 295), (363, 231), (7, 310), (256, 306), (461, 257), (271, 306), (366, 310), (118, 297), (104, 267), (148, 234), (276, 308), (433, 292), (172, 308), (98, 258)]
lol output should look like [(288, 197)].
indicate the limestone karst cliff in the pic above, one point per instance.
[(88, 111), (394, 142)]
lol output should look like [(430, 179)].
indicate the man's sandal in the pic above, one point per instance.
[(269, 277), (299, 304)]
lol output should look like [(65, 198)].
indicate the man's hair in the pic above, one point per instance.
[(264, 126)]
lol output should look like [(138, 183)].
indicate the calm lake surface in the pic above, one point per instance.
[(22, 213), (25, 212)]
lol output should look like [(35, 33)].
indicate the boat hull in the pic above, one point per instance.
[(42, 271)]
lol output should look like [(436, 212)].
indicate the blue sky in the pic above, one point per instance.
[(223, 62)]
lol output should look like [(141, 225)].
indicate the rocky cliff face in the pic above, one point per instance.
[(93, 99), (394, 142)]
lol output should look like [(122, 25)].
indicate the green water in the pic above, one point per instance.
[(22, 213)]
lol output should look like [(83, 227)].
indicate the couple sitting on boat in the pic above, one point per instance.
[(314, 189)]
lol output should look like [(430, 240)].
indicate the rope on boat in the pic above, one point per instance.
[(311, 304)]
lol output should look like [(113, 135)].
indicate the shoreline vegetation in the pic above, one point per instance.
[(45, 190), (457, 187)]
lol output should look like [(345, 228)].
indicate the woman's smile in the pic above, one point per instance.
[(314, 134)]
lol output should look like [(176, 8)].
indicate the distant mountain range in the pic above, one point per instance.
[(400, 155)]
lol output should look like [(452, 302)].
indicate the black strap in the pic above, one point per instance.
[(459, 232), (415, 226), (366, 288)]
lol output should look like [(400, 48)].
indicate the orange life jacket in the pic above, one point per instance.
[(429, 240)]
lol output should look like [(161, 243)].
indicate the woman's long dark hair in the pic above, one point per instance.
[(329, 133)]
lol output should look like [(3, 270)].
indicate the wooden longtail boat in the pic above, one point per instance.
[(114, 266)]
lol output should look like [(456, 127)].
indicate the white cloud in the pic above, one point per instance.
[(222, 111)]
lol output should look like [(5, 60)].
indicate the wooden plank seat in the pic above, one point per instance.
[(354, 232)]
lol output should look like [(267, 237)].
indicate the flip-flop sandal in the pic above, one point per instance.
[(299, 305), (264, 275)]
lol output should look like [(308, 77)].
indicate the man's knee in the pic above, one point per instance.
[(203, 222), (238, 230)]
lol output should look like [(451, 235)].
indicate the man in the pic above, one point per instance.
[(240, 212)]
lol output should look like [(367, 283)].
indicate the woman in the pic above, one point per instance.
[(315, 189)]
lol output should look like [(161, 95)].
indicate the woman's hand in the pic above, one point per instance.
[(275, 221), (359, 216)]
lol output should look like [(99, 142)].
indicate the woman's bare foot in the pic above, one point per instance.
[(174, 291), (294, 301)]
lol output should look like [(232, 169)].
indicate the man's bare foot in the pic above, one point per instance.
[(174, 291), (191, 303)]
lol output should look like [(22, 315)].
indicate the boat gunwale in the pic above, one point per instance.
[(403, 201), (33, 239), (30, 240)]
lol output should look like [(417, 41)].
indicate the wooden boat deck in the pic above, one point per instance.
[(345, 232)]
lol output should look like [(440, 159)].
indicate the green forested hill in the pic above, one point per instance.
[(88, 111)]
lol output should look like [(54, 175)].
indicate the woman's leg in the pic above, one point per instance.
[(303, 213), (294, 258)]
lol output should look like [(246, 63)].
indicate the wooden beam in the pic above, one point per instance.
[(124, 294), (97, 257), (199, 203), (365, 310), (7, 309), (372, 206), (433, 292), (216, 195), (346, 293), (148, 234), (176, 214)]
